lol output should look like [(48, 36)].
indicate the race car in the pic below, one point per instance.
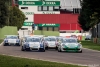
[(33, 43), (59, 39), (11, 40), (50, 43), (70, 44)]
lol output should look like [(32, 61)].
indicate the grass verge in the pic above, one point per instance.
[(1, 41), (91, 45), (8, 61)]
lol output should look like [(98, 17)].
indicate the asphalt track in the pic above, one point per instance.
[(88, 57)]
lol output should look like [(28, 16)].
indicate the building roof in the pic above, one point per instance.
[(70, 4)]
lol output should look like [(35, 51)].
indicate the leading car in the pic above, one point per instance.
[(33, 43), (70, 44), (11, 40)]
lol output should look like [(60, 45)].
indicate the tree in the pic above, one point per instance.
[(16, 17), (89, 15), (3, 13)]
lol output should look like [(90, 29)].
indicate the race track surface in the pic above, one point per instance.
[(88, 57)]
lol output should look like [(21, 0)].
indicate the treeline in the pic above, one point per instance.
[(90, 14), (10, 15)]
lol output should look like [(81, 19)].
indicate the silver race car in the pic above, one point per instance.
[(70, 44), (50, 43), (33, 43), (11, 40)]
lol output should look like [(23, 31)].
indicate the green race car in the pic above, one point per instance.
[(70, 44)]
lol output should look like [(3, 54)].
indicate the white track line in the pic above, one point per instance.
[(1, 44), (91, 49)]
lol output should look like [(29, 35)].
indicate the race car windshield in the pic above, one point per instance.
[(12, 37), (70, 41), (59, 39), (50, 39), (33, 40)]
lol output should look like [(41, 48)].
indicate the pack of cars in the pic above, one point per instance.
[(42, 43)]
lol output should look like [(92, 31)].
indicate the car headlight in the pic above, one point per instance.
[(6, 41), (27, 45), (41, 46), (79, 46), (17, 41), (63, 45)]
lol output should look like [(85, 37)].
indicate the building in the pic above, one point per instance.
[(69, 7), (31, 7), (67, 19)]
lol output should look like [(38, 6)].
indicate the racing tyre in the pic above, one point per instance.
[(42, 50), (56, 48), (17, 44), (22, 49), (80, 51), (46, 48), (5, 44), (27, 49), (59, 49)]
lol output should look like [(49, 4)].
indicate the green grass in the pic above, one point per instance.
[(1, 41), (91, 45), (8, 61), (8, 30), (46, 33)]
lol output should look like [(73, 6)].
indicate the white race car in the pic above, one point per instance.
[(50, 42), (11, 40), (70, 44), (33, 43)]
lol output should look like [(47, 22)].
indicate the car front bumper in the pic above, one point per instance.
[(71, 49)]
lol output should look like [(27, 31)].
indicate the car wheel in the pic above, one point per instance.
[(27, 49), (59, 49), (22, 49), (46, 48), (5, 44), (42, 50), (17, 44), (80, 51), (56, 48)]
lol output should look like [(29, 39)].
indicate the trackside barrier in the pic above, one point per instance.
[(78, 37), (67, 36)]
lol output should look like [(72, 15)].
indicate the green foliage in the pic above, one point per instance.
[(91, 45), (3, 13), (16, 17), (90, 14)]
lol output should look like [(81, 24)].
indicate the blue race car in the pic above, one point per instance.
[(33, 43), (11, 40)]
